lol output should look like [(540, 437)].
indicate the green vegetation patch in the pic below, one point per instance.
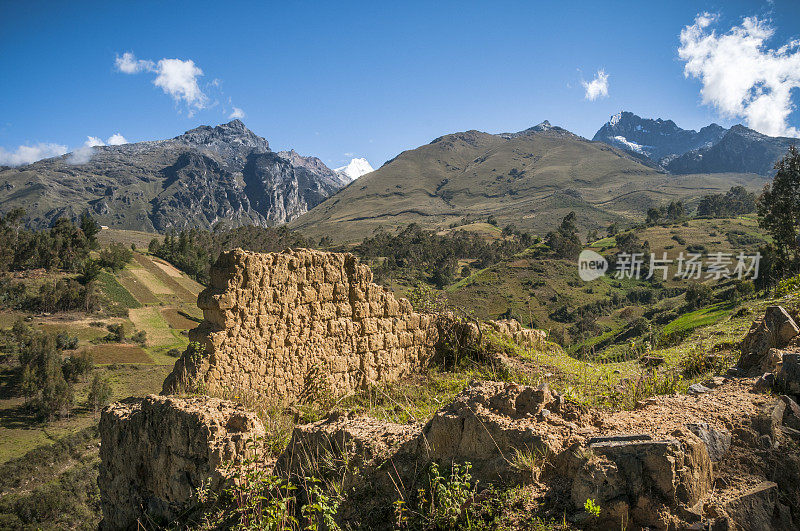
[(116, 291), (702, 317)]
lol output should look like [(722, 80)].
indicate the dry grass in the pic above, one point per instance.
[(179, 320), (140, 292), (115, 353)]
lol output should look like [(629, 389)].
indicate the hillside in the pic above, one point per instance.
[(205, 176), (530, 179), (547, 293)]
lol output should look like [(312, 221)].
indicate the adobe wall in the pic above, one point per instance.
[(287, 326)]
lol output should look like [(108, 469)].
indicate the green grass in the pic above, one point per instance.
[(702, 317), (116, 291)]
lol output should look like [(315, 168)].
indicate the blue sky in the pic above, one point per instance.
[(370, 79)]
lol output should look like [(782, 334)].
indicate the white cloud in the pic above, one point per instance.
[(128, 64), (116, 140), (740, 75), (28, 154), (92, 141), (176, 77), (179, 79), (598, 87), (237, 113), (83, 154)]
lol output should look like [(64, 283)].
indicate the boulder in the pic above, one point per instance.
[(789, 375), (641, 477), (764, 383), (774, 330), (156, 451), (755, 509), (791, 413), (717, 440), (698, 389), (769, 420), (490, 421)]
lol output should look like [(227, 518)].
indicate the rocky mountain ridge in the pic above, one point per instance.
[(712, 149), (197, 179)]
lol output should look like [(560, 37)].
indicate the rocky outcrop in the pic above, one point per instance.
[(295, 325), (156, 452), (510, 434), (637, 477), (490, 421), (773, 331)]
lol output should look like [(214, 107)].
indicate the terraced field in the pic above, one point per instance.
[(157, 298)]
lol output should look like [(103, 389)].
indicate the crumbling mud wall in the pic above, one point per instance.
[(292, 325), (157, 452)]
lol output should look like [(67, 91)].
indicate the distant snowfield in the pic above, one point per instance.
[(355, 169)]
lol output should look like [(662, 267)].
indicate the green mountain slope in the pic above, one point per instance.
[(530, 179)]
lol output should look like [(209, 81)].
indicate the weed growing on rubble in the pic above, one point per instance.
[(441, 504), (591, 508), (530, 461), (257, 499)]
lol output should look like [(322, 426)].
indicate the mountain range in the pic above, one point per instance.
[(712, 149), (530, 179), (204, 176)]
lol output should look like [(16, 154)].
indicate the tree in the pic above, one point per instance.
[(153, 246), (779, 208), (675, 210), (115, 256), (90, 229), (564, 241), (698, 295), (99, 393), (653, 216)]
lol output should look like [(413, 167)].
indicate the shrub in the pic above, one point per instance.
[(698, 295), (116, 333), (77, 366), (65, 342), (115, 256), (139, 338)]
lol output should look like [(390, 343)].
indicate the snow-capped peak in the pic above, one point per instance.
[(355, 169)]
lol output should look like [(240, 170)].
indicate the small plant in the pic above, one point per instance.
[(440, 505), (592, 508), (530, 461)]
